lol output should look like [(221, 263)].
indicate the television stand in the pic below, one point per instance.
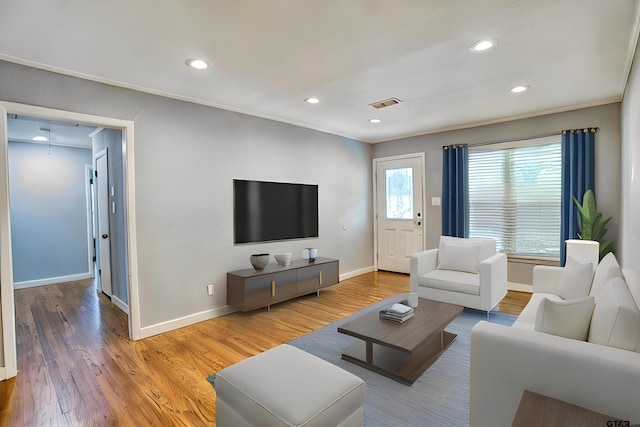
[(250, 289)]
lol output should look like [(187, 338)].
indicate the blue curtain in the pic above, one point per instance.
[(578, 176), (455, 191)]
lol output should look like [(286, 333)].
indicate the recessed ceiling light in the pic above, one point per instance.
[(40, 138), (483, 45), (518, 89), (374, 120), (312, 100), (198, 64)]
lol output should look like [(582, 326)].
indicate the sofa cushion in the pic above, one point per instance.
[(487, 245), (569, 319), (527, 318), (632, 277), (607, 269), (616, 318), (575, 282), (454, 281), (458, 257)]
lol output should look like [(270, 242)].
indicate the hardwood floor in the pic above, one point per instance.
[(514, 302), (78, 367)]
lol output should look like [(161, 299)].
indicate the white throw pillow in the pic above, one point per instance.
[(575, 282), (569, 319), (458, 257), (632, 277), (616, 318), (607, 269)]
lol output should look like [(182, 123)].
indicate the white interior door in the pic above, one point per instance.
[(399, 212), (104, 241)]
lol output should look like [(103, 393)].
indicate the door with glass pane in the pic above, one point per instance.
[(400, 212)]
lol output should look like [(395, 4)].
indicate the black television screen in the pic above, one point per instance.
[(266, 211)]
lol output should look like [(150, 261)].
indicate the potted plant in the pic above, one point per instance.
[(592, 226)]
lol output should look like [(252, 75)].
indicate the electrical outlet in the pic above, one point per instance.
[(210, 289)]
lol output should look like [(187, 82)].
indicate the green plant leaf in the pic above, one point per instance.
[(591, 224), (582, 210), (598, 235), (605, 248)]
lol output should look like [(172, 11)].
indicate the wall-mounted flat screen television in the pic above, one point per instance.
[(266, 211)]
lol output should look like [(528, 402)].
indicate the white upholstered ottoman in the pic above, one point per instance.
[(286, 386)]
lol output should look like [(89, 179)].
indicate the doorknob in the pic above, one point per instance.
[(104, 236)]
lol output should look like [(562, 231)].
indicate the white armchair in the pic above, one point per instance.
[(466, 272)]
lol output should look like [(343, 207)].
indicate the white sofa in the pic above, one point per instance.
[(466, 272), (601, 373)]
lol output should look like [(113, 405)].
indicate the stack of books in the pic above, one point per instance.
[(397, 312)]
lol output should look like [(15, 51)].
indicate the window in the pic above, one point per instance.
[(514, 195), (399, 193)]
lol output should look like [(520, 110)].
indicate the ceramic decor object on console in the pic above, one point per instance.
[(259, 261), (283, 259)]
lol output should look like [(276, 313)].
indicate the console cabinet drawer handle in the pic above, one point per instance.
[(321, 278), (273, 288)]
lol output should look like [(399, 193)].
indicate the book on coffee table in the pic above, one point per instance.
[(396, 318), (397, 312)]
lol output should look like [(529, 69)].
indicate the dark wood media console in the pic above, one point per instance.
[(250, 289)]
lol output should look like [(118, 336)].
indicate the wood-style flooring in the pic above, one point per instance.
[(77, 366)]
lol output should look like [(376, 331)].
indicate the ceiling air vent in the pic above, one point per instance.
[(386, 103)]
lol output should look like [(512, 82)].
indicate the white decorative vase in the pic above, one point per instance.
[(283, 259), (259, 261), (412, 299), (582, 252)]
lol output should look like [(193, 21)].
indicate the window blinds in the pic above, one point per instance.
[(514, 197)]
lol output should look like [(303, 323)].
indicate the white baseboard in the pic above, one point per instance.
[(355, 273), (521, 287), (3, 373), (181, 322), (120, 304), (51, 281)]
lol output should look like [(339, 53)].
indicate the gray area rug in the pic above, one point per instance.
[(440, 397)]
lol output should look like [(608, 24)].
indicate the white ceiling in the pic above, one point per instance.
[(22, 128), (268, 56)]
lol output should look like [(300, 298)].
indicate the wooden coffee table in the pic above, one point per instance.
[(401, 351), (538, 410)]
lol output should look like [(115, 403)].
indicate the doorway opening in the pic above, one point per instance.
[(50, 204), (114, 133)]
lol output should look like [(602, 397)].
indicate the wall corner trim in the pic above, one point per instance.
[(357, 272), (181, 322)]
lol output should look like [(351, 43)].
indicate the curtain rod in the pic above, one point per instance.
[(480, 144)]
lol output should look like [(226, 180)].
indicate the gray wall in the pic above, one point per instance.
[(608, 155), (111, 139), (630, 225), (48, 211), (186, 156)]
